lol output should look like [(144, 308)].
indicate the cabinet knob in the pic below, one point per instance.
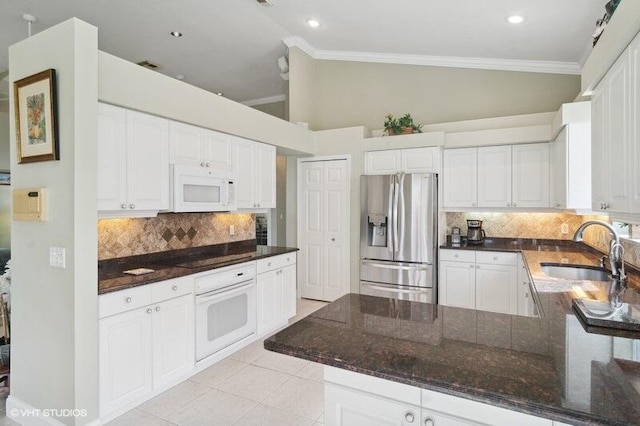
[(409, 417), (495, 257), (473, 204), (471, 266), (174, 288), (202, 164), (477, 266), (128, 300), (124, 206), (208, 165), (149, 310), (269, 264), (456, 255), (429, 422), (508, 204), (132, 206), (558, 205), (514, 205), (157, 308), (288, 259), (333, 239)]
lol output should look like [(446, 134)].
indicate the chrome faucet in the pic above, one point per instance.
[(616, 251)]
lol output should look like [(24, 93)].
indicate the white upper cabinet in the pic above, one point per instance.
[(460, 181), (502, 177), (615, 151), (133, 163), (255, 167), (494, 176), (196, 146), (410, 160), (530, 175), (570, 158)]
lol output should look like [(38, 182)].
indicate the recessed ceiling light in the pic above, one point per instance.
[(219, 93), (180, 77), (515, 19), (314, 23), (176, 33)]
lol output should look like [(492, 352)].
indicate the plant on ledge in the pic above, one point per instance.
[(401, 126)]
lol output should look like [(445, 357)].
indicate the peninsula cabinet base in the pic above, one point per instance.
[(354, 399)]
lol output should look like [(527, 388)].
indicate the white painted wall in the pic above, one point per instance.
[(4, 141), (54, 359), (5, 191)]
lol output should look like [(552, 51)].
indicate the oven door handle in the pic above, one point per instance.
[(392, 266), (392, 290), (213, 294)]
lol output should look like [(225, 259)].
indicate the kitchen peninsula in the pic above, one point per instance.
[(402, 361)]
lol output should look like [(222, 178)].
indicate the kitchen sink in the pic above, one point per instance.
[(575, 272)]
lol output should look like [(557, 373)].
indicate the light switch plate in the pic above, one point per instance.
[(57, 257), (232, 229)]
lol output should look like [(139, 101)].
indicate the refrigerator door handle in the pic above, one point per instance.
[(390, 225), (395, 214), (392, 289), (392, 266), (401, 213)]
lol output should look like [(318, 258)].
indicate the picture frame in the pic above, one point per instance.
[(5, 177), (36, 117)]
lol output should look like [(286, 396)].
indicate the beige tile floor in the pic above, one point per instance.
[(251, 387)]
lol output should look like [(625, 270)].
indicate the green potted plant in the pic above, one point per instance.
[(401, 126)]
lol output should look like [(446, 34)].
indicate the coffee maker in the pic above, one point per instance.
[(475, 233)]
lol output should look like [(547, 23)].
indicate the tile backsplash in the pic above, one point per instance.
[(170, 231), (598, 237), (518, 225)]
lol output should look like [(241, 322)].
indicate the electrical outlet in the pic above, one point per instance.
[(564, 228), (57, 257), (232, 230)]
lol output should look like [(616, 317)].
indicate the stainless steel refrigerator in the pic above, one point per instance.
[(398, 236)]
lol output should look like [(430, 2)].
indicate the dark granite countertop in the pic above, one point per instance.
[(519, 244), (549, 367), (178, 263)]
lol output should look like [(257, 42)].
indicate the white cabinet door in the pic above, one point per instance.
[(173, 341), (269, 300), (457, 284), (185, 142), (434, 418), (244, 154), (346, 407), (112, 158), (382, 162), (125, 354), (599, 151), (494, 176), (617, 135), (323, 229), (420, 160), (147, 162), (460, 177), (217, 150), (265, 176), (558, 160), (496, 289), (634, 136), (530, 175)]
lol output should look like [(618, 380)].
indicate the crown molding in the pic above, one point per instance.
[(267, 100), (548, 67)]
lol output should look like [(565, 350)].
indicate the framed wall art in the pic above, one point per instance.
[(36, 117)]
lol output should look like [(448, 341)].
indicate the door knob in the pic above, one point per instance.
[(124, 206), (409, 417)]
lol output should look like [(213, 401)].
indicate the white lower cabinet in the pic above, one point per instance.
[(479, 280), (276, 284), (143, 350), (354, 399)]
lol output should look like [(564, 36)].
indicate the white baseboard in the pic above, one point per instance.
[(27, 415)]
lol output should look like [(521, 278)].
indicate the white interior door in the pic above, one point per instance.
[(323, 228)]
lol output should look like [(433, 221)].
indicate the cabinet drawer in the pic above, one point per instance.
[(171, 288), (458, 255), (275, 262), (123, 300), (497, 258)]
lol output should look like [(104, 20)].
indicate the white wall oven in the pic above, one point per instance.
[(197, 189), (225, 308)]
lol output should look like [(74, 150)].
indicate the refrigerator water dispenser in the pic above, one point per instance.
[(377, 230)]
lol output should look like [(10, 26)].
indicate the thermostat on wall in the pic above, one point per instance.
[(31, 204)]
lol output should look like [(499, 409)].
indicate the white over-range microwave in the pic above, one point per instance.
[(198, 189)]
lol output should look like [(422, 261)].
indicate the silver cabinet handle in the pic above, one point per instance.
[(132, 206), (202, 164), (409, 417), (149, 310), (128, 300), (174, 288), (429, 422), (157, 308), (124, 206)]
